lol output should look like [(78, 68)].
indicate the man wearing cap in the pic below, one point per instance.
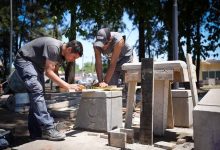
[(113, 46), (44, 55)]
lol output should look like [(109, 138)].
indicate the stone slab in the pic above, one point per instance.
[(212, 98), (206, 121), (179, 68), (77, 140), (165, 145), (68, 113)]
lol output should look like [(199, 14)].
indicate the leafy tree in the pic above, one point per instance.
[(145, 15), (30, 20), (199, 25), (4, 37)]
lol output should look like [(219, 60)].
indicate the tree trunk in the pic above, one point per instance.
[(170, 51), (198, 53), (188, 39), (70, 67), (141, 39)]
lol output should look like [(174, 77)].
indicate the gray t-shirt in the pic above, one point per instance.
[(125, 51), (40, 49)]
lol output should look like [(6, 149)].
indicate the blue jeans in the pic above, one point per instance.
[(119, 73), (38, 117)]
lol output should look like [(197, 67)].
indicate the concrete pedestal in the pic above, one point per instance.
[(182, 108), (100, 110), (206, 122), (160, 106)]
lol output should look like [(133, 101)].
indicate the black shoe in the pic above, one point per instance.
[(53, 135)]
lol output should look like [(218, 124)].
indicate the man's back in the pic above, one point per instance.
[(40, 49)]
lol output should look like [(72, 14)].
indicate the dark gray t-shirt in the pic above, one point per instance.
[(40, 49), (125, 51)]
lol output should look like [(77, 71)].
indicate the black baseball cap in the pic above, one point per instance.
[(102, 37)]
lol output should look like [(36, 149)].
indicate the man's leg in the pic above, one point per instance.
[(31, 78), (33, 126), (115, 78)]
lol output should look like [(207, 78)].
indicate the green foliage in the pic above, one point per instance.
[(4, 38), (88, 67)]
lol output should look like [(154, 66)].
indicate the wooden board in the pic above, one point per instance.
[(192, 79)]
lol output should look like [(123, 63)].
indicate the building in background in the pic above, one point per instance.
[(210, 72)]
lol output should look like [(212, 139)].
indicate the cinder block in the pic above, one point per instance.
[(117, 138), (100, 110), (182, 108), (206, 122)]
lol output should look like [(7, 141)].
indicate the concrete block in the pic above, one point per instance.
[(117, 138), (130, 135), (206, 118), (100, 110), (182, 108)]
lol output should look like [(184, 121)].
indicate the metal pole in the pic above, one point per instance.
[(175, 35), (11, 36), (175, 30)]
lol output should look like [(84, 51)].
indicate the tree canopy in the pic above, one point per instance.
[(199, 24)]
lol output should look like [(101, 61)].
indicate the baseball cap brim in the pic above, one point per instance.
[(99, 43)]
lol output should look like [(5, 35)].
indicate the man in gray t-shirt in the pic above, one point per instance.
[(44, 55), (113, 46)]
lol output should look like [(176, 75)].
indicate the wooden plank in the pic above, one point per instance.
[(170, 120), (146, 117), (130, 104), (192, 79)]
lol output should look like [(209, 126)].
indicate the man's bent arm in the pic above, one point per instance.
[(50, 68), (98, 65)]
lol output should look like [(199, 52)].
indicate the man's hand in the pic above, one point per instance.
[(103, 84), (76, 87)]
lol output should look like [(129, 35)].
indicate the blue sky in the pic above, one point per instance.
[(131, 38)]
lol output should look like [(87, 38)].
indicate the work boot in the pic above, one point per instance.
[(53, 135)]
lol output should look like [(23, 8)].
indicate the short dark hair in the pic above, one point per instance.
[(76, 47)]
